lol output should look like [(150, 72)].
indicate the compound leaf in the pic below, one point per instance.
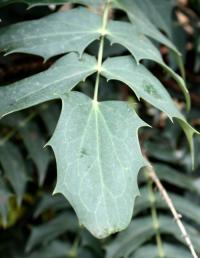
[(98, 159)]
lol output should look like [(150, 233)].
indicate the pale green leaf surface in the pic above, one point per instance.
[(158, 12), (130, 37), (66, 73), (54, 34), (141, 21), (14, 168), (171, 251), (141, 48), (98, 160), (139, 13), (146, 86)]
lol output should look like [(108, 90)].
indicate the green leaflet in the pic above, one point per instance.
[(98, 159), (147, 87), (140, 47), (130, 37), (54, 34), (34, 142), (66, 73), (183, 205), (32, 3), (49, 114), (170, 175), (5, 194), (51, 229), (14, 168), (171, 251), (156, 11), (141, 230), (145, 26), (49, 202), (55, 249)]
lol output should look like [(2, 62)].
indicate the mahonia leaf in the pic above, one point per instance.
[(183, 205), (54, 34), (5, 194), (130, 37), (170, 250), (55, 249), (140, 47), (98, 159), (14, 168), (135, 12), (147, 87), (44, 233), (34, 142), (144, 25), (157, 12), (49, 203), (66, 73)]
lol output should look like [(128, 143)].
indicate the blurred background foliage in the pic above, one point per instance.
[(35, 224)]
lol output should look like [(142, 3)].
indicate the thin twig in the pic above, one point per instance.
[(155, 219), (154, 177)]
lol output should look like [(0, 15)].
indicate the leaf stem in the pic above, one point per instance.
[(155, 219), (101, 47)]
